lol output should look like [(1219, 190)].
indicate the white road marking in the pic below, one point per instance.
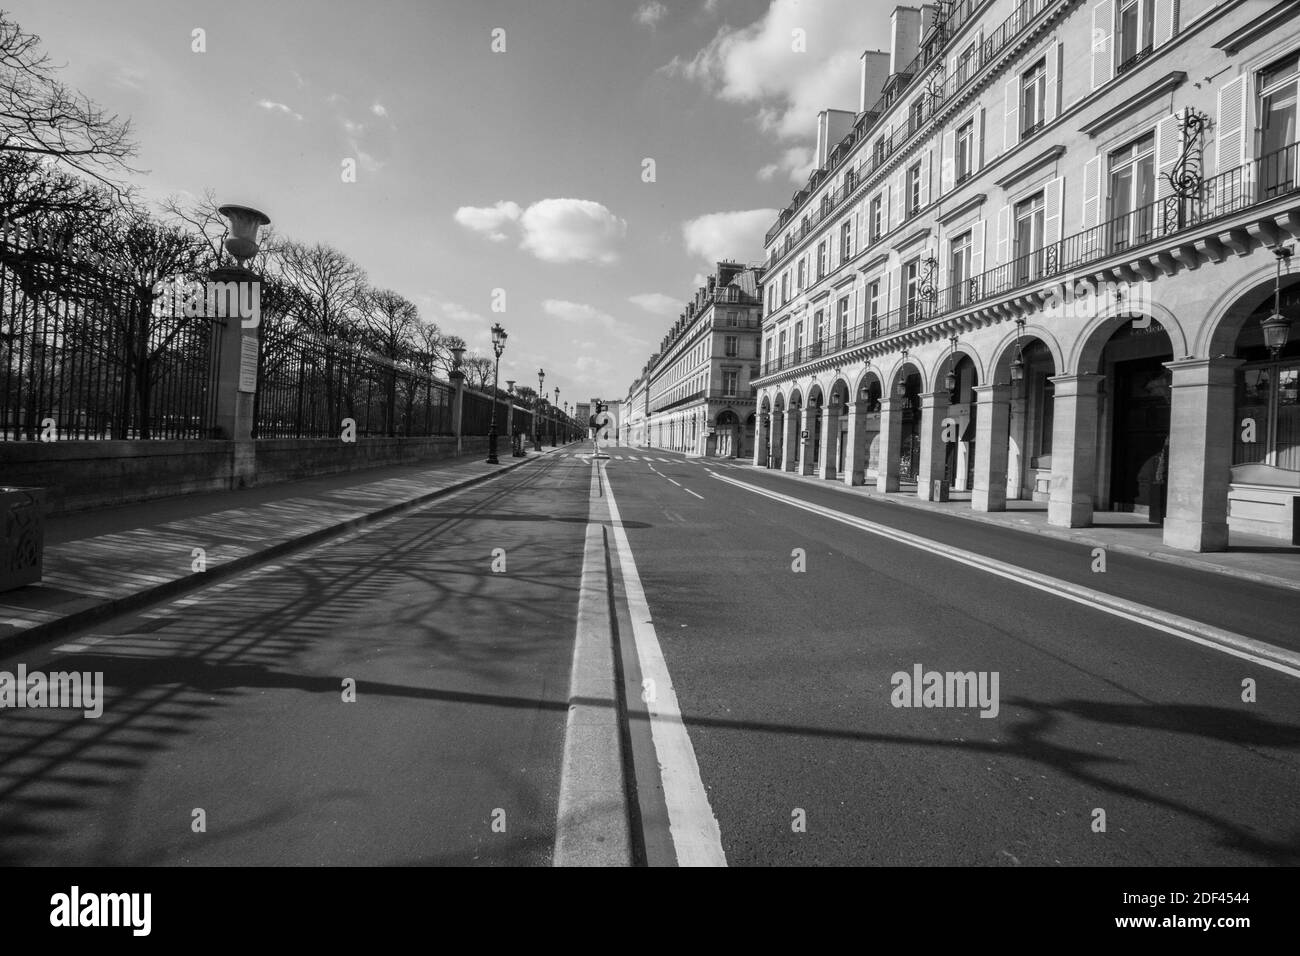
[(689, 492), (677, 483), (1247, 648), (691, 823)]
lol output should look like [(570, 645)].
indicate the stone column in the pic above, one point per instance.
[(1074, 450), (762, 435), (855, 456), (806, 444), (934, 406), (992, 418), (790, 446), (891, 433), (1202, 421), (830, 441), (1017, 459), (236, 383)]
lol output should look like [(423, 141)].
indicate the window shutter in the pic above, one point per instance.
[(1231, 144), (1091, 202), (893, 292), (977, 248), (1053, 203), (1168, 147), (942, 280), (1011, 119), (1103, 40), (927, 164), (1166, 16), (896, 197), (1004, 235), (1052, 88), (948, 162), (977, 154)]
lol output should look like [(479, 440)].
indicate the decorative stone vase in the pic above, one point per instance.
[(22, 536)]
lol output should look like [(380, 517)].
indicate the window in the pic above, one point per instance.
[(850, 180), (1270, 394), (846, 240), (785, 287), (731, 319), (873, 309), (1277, 117), (913, 189), (877, 216), (730, 378), (912, 292), (1028, 252), (758, 348), (1136, 29), (842, 323), (802, 275), (878, 150), (966, 64), (771, 297), (798, 341), (1132, 191), (959, 270), (916, 116), (964, 161), (1033, 98), (818, 330), (821, 259), (782, 350), (732, 347)]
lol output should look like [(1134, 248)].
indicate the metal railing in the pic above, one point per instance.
[(1258, 181), (86, 354)]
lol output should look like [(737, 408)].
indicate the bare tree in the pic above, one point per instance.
[(391, 322), (478, 371), (40, 116)]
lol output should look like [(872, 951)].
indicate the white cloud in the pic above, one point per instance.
[(758, 65), (797, 162), (379, 109), (272, 106), (571, 230), (650, 13), (456, 312), (656, 303), (578, 313), (489, 221), (728, 235), (554, 230)]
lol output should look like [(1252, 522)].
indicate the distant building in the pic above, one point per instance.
[(697, 392)]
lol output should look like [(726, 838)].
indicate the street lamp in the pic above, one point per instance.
[(1277, 327), (498, 346), (1018, 363), (510, 415), (555, 426)]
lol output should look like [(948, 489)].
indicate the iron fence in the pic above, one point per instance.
[(86, 354)]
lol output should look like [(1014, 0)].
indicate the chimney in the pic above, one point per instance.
[(928, 12), (875, 71), (832, 126), (904, 37)]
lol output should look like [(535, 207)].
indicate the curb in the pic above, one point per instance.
[(1207, 567), (115, 607)]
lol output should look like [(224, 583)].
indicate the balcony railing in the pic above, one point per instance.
[(1258, 181), (993, 44)]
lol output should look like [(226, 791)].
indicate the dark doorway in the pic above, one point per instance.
[(1140, 428)]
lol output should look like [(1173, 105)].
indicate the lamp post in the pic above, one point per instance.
[(498, 346), (538, 408), (1277, 327), (555, 424), (457, 376)]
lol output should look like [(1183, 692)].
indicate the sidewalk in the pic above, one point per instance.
[(109, 561), (1253, 557)]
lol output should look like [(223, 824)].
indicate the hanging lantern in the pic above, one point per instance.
[(1018, 368), (1277, 329), (901, 389)]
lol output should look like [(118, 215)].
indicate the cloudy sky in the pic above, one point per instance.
[(523, 169)]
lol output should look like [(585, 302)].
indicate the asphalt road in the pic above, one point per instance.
[(231, 701), (781, 631), (784, 678)]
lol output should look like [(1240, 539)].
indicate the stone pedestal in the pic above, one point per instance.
[(1201, 427), (22, 536)]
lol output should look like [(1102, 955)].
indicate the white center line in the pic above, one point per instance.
[(689, 492), (691, 823), (677, 483)]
